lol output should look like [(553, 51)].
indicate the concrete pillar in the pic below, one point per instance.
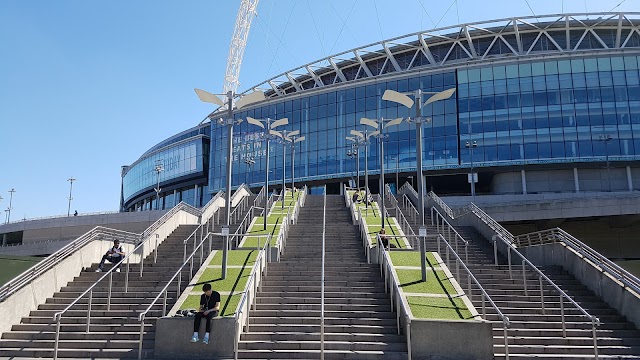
[(523, 175), (629, 179), (576, 180), (4, 239), (196, 196), (175, 197)]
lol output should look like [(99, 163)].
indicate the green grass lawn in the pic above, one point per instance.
[(437, 282), (236, 257), (236, 279), (228, 304), (442, 308), (254, 241), (375, 224), (271, 219), (410, 258), (12, 266)]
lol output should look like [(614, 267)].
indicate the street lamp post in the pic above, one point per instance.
[(229, 122), (158, 168), (249, 161), (294, 138), (283, 140), (405, 100), (269, 134), (363, 139), (606, 138), (381, 125), (471, 145), (70, 180), (357, 142), (10, 203)]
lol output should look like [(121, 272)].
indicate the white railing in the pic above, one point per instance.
[(556, 235), (61, 216)]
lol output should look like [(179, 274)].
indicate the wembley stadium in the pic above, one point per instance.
[(541, 104)]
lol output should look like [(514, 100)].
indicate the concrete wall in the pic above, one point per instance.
[(59, 231), (30, 296), (451, 339), (604, 286), (26, 299), (173, 335)]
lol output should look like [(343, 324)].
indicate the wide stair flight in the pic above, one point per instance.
[(358, 320), (532, 333)]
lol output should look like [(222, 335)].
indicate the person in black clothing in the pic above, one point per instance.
[(209, 306), (114, 256), (355, 197)]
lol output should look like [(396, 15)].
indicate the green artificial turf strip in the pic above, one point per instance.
[(271, 219), (374, 226), (410, 258), (437, 283), (252, 242), (235, 281), (236, 257), (12, 266), (287, 203), (228, 304), (445, 308)]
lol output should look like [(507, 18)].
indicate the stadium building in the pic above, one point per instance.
[(542, 104)]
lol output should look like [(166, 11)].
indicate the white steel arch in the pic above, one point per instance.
[(238, 43)]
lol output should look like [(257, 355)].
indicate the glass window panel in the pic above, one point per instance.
[(486, 74), (537, 69), (590, 65), (551, 67), (577, 66), (617, 63), (512, 71), (524, 70), (499, 72), (630, 63)]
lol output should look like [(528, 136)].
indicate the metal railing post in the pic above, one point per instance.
[(524, 278), (595, 339), (495, 251), (55, 345), (506, 342), (141, 335), (541, 295), (164, 303), (564, 326), (155, 251), (141, 259), (89, 309), (126, 277), (109, 293), (509, 260)]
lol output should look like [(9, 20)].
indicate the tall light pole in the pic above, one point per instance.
[(294, 138), (158, 168), (268, 135), (403, 99), (10, 203), (249, 161), (381, 125), (363, 137), (283, 140), (353, 154), (472, 179), (229, 122), (606, 138), (70, 180), (357, 142)]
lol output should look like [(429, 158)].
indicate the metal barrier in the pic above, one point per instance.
[(595, 322), (556, 235)]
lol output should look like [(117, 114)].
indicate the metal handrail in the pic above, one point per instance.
[(386, 260), (144, 238), (450, 228), (324, 228), (61, 216), (541, 276), (556, 235), (260, 196), (407, 204), (246, 296), (243, 227), (442, 204), (52, 260)]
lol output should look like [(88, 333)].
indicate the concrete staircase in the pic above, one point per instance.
[(532, 333), (114, 333), (358, 320)]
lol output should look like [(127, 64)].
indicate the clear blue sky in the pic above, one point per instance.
[(88, 86)]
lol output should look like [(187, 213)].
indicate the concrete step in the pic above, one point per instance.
[(315, 354)]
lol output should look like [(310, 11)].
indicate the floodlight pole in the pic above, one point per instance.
[(10, 203), (266, 179), (381, 139), (366, 168), (225, 245), (70, 180)]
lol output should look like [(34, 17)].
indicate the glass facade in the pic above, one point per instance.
[(326, 119), (550, 111), (182, 159), (526, 112)]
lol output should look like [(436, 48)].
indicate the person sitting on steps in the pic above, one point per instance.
[(209, 306), (384, 240), (355, 197), (114, 255)]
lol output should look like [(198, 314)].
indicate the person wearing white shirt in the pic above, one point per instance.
[(114, 256)]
